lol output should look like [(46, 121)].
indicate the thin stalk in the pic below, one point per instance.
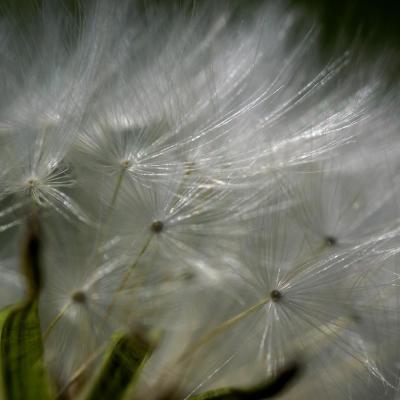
[(53, 323), (92, 357), (127, 275), (222, 327), (103, 230), (102, 235), (86, 364), (218, 330)]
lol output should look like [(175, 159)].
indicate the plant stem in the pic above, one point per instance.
[(91, 359), (103, 230), (53, 323), (222, 327), (127, 275)]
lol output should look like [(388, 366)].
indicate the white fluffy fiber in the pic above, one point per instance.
[(208, 178)]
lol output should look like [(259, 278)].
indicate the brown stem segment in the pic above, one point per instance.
[(31, 256)]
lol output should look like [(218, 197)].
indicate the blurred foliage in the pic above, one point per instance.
[(370, 22), (22, 371)]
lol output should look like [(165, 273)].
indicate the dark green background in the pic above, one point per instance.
[(374, 25)]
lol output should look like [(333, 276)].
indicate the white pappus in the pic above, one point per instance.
[(200, 171)]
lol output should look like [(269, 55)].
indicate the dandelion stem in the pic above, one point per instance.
[(223, 326), (128, 273), (117, 188), (103, 230), (104, 226), (120, 288), (86, 364), (53, 323)]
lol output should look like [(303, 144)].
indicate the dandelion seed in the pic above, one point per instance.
[(157, 226), (275, 295), (79, 297), (331, 241)]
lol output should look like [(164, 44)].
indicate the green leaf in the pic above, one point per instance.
[(121, 367), (22, 372), (264, 390)]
